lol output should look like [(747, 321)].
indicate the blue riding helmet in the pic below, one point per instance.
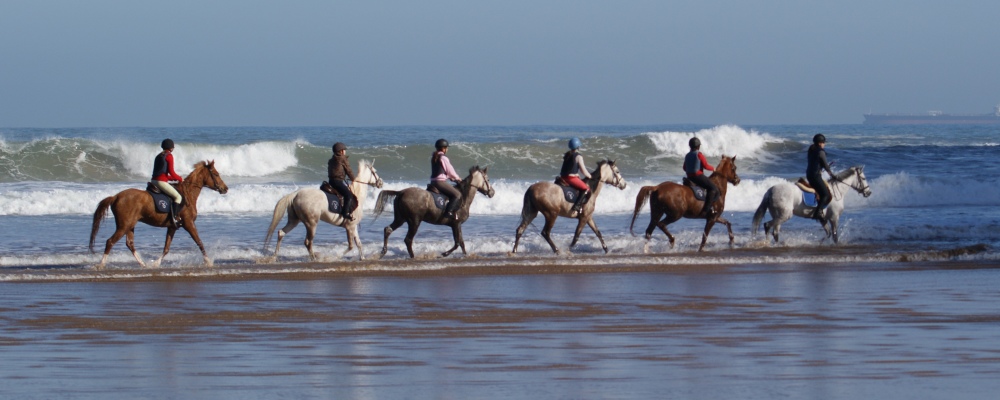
[(575, 143)]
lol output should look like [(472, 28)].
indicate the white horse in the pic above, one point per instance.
[(785, 199), (310, 206)]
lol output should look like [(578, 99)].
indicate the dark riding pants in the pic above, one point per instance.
[(713, 192), (350, 201), (454, 196), (823, 196)]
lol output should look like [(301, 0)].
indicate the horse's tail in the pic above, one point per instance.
[(384, 197), (99, 215), (759, 215), (279, 212), (640, 201), (528, 208)]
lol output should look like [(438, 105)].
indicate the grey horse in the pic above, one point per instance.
[(547, 198), (310, 206), (785, 199), (415, 205)]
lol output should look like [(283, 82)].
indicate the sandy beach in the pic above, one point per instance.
[(568, 329)]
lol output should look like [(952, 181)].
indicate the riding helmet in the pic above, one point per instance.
[(694, 143), (440, 144), (819, 138), (339, 146), (167, 144), (575, 143)]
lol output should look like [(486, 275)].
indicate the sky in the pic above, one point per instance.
[(111, 63)]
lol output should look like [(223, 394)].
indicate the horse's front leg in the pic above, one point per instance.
[(593, 227), (193, 230), (580, 223), (728, 227), (353, 239), (708, 228), (166, 246), (456, 232)]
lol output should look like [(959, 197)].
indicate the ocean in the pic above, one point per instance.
[(902, 307), (934, 188)]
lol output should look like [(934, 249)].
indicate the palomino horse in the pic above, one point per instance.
[(673, 201), (415, 205), (310, 206), (785, 199), (132, 206), (547, 198)]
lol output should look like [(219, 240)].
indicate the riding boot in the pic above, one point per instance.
[(450, 209), (708, 211), (347, 210), (581, 200), (175, 220)]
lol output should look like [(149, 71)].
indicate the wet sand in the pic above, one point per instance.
[(888, 330)]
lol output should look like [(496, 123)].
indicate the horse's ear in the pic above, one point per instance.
[(373, 163), (485, 170)]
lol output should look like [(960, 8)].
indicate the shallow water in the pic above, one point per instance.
[(843, 330)]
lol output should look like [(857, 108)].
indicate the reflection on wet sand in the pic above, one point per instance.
[(886, 330)]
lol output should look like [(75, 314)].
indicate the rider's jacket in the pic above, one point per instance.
[(695, 164), (163, 168)]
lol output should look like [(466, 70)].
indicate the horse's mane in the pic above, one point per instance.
[(600, 164), (845, 173), (464, 184)]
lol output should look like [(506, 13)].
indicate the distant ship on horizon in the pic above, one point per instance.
[(933, 117)]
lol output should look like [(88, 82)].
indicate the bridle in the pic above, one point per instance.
[(862, 190)]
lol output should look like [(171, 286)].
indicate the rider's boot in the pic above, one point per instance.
[(580, 201), (175, 219), (347, 211)]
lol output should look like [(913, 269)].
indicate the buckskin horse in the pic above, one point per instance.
[(547, 198), (310, 206), (132, 206), (415, 205), (672, 201)]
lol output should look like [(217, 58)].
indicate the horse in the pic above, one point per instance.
[(673, 201), (785, 199), (132, 206), (547, 198), (310, 206), (415, 205)]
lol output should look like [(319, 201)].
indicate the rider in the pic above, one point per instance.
[(694, 166), (572, 167), (163, 173), (814, 174), (441, 173), (337, 169)]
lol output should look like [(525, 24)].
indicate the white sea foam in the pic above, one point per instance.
[(246, 160), (721, 140)]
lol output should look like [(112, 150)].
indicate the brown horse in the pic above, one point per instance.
[(415, 205), (673, 201), (547, 198), (132, 206)]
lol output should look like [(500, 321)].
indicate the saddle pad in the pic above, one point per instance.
[(160, 200), (571, 194), (333, 202), (699, 192), (809, 198), (440, 200)]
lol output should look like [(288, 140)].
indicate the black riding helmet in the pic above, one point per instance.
[(440, 144), (819, 138), (339, 146), (167, 144), (694, 143)]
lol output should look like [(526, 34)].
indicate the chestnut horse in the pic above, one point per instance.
[(132, 206), (673, 201), (547, 198)]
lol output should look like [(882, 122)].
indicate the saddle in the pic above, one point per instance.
[(808, 192), (440, 200), (569, 193), (334, 201), (699, 192), (161, 200)]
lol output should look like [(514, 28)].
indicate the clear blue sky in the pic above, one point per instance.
[(511, 62)]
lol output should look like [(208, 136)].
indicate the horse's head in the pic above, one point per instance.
[(861, 185), (481, 181), (208, 176), (368, 175), (727, 170), (608, 173)]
